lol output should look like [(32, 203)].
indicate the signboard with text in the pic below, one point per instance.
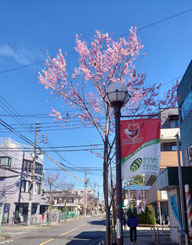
[(140, 147)]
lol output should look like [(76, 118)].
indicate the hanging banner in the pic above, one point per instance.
[(140, 147), (139, 201), (175, 210)]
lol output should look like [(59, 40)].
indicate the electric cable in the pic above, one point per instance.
[(124, 34)]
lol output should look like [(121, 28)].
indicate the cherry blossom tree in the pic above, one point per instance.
[(99, 63), (102, 62)]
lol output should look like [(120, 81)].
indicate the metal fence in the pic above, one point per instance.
[(67, 215), (61, 216)]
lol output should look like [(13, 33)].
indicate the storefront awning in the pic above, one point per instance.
[(168, 178)]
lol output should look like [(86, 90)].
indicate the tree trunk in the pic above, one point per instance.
[(105, 188)]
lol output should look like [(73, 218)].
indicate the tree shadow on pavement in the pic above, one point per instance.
[(88, 237), (98, 222)]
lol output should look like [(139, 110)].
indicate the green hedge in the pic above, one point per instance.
[(147, 217)]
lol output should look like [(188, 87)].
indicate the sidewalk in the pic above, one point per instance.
[(148, 242), (3, 238), (141, 239), (144, 237), (24, 227)]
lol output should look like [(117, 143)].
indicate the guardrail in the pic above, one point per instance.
[(160, 231)]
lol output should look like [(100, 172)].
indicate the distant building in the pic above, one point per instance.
[(64, 199), (92, 200), (169, 128), (74, 200), (16, 183), (134, 196)]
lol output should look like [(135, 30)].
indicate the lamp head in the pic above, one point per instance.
[(116, 93)]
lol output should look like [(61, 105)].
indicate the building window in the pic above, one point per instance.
[(38, 168), (173, 123), (169, 146), (38, 188), (5, 161), (27, 166), (34, 209), (25, 186), (186, 106)]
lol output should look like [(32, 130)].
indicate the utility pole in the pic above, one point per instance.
[(94, 187), (19, 199), (159, 206), (85, 193), (181, 190), (98, 198), (128, 185), (32, 176), (144, 194)]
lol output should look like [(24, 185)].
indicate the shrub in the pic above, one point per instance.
[(150, 216), (147, 216)]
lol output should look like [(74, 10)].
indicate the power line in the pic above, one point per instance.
[(28, 141), (6, 125), (172, 80), (56, 147), (51, 159), (10, 108), (60, 150), (37, 115), (56, 128), (159, 21), (21, 67), (72, 52), (68, 168)]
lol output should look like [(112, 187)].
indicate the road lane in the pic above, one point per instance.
[(83, 231)]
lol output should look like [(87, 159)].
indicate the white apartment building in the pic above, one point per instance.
[(16, 183)]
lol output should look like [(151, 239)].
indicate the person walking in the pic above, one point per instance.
[(133, 222)]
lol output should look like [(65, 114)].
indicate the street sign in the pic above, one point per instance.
[(6, 208)]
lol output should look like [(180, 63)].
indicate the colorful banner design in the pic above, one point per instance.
[(139, 201), (175, 210), (140, 147), (189, 209)]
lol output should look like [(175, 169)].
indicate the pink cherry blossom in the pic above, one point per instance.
[(99, 63)]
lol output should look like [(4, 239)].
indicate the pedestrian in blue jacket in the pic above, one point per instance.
[(133, 222)]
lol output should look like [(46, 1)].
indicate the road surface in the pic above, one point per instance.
[(90, 230)]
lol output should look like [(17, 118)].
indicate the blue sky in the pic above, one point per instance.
[(28, 28)]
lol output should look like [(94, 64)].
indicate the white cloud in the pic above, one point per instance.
[(20, 55)]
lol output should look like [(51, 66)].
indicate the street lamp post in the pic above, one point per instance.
[(117, 96)]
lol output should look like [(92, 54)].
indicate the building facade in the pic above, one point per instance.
[(155, 197), (168, 179), (73, 201), (184, 93), (16, 183), (88, 200)]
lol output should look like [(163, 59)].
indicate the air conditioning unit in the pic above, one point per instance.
[(190, 155)]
